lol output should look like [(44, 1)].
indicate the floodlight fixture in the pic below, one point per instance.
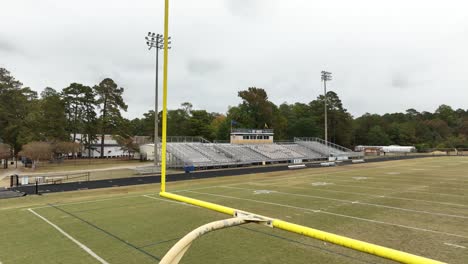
[(156, 41), (325, 76)]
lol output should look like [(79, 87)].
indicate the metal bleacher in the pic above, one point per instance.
[(275, 151), (304, 151), (325, 148), (208, 150), (240, 153), (202, 153)]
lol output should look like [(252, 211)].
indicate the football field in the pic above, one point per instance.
[(419, 206)]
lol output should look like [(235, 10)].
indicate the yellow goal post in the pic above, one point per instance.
[(358, 245)]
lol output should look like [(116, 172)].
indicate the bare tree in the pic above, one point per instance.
[(65, 148), (5, 154), (37, 151), (127, 144)]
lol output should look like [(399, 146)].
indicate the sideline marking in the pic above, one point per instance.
[(358, 202), (448, 244), (336, 214), (82, 246)]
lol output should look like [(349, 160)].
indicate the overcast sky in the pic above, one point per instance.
[(385, 56)]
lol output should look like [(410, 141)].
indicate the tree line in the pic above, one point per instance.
[(58, 116)]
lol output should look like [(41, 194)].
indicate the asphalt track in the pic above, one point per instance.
[(87, 185)]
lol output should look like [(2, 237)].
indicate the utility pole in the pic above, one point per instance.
[(156, 41), (326, 76)]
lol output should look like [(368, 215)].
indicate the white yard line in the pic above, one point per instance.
[(454, 245), (194, 189), (88, 201), (335, 214), (357, 202), (166, 200), (369, 195), (82, 246)]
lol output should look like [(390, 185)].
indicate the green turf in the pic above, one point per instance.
[(419, 206)]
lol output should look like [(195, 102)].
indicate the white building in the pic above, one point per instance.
[(111, 148), (386, 149), (147, 151)]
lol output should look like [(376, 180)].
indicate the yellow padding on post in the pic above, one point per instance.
[(372, 249), (358, 245), (211, 206)]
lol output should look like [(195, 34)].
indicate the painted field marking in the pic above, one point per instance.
[(361, 178), (321, 183), (386, 181), (358, 202), (262, 191), (379, 188), (166, 200), (454, 245), (194, 189), (362, 187), (87, 201), (369, 195), (82, 246), (335, 214), (403, 178)]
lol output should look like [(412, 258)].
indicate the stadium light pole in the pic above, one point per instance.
[(156, 41), (326, 76)]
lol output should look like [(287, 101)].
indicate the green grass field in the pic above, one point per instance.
[(419, 206)]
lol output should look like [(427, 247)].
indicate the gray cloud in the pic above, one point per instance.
[(6, 46), (400, 51), (203, 66), (400, 80), (249, 8)]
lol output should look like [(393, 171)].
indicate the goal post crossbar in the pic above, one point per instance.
[(365, 247)]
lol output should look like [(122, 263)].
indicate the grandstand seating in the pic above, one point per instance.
[(240, 153), (304, 151), (209, 151), (201, 154), (325, 148), (275, 151), (187, 154)]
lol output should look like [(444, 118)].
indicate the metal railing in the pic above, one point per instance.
[(252, 131), (186, 139), (323, 142)]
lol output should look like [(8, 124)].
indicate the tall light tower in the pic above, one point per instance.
[(156, 41), (326, 76)]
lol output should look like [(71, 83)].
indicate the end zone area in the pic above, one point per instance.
[(418, 206)]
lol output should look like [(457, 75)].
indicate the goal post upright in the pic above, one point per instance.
[(164, 113)]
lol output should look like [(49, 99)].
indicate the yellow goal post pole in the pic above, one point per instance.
[(164, 113), (358, 245)]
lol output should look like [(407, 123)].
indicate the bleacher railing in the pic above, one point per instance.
[(323, 142), (248, 130), (187, 139)]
